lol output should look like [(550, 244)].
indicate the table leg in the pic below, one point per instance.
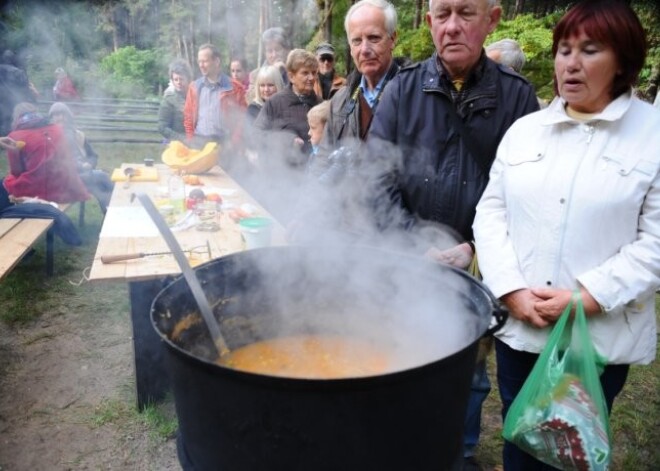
[(50, 252), (151, 378)]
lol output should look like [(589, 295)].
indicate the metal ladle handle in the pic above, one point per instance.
[(188, 273)]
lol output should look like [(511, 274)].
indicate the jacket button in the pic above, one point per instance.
[(549, 283), (562, 201)]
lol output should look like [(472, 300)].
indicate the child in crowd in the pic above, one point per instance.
[(317, 117)]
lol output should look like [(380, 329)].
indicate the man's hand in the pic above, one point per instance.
[(459, 256)]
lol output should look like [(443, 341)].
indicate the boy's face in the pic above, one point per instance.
[(315, 131)]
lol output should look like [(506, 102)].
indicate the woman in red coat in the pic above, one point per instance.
[(64, 89), (41, 165)]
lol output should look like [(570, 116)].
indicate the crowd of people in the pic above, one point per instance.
[(50, 161), (553, 198)]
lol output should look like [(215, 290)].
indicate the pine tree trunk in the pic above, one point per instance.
[(327, 27), (419, 7), (520, 5)]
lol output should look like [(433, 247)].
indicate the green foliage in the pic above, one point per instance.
[(535, 38), (533, 34), (415, 44), (130, 72), (650, 75), (406, 12)]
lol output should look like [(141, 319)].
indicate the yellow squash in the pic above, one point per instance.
[(180, 157)]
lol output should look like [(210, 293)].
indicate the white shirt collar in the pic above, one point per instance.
[(556, 111)]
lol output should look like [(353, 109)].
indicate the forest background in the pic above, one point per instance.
[(121, 48)]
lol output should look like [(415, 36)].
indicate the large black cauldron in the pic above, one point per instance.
[(430, 315)]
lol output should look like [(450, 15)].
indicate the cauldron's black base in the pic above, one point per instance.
[(186, 464), (184, 461)]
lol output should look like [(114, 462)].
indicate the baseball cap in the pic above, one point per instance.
[(325, 49)]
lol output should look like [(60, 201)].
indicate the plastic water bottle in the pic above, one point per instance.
[(177, 190)]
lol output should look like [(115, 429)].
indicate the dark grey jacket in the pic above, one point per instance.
[(170, 115), (285, 112), (437, 178)]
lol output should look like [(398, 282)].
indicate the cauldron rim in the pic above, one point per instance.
[(391, 375)]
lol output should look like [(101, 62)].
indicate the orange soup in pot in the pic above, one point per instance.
[(310, 357)]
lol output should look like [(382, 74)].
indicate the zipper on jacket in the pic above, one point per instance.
[(590, 129), (569, 198)]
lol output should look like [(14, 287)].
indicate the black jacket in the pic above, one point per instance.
[(435, 177), (285, 112)]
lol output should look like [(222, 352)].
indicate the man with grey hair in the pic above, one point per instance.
[(507, 52), (446, 117), (371, 33)]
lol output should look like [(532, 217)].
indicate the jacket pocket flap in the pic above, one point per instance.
[(625, 165), (518, 158)]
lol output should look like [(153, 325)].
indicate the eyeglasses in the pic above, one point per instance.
[(326, 59)]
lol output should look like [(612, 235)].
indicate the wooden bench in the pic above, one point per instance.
[(18, 235)]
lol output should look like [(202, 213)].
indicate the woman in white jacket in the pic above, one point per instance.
[(573, 203)]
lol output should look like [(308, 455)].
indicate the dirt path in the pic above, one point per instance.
[(66, 392)]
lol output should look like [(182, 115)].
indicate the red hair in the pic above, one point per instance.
[(614, 24)]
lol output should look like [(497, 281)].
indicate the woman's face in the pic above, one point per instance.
[(267, 89), (303, 80), (585, 70), (180, 82), (58, 118)]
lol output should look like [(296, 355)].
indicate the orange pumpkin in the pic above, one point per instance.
[(182, 158)]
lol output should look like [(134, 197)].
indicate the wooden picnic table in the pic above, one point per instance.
[(127, 229), (17, 235)]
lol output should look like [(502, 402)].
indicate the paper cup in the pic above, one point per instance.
[(256, 232)]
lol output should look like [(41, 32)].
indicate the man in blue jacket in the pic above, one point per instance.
[(445, 117)]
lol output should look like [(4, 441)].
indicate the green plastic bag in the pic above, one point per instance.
[(560, 416)]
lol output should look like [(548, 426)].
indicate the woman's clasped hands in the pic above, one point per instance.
[(542, 307)]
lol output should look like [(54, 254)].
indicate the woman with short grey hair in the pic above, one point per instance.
[(285, 114)]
